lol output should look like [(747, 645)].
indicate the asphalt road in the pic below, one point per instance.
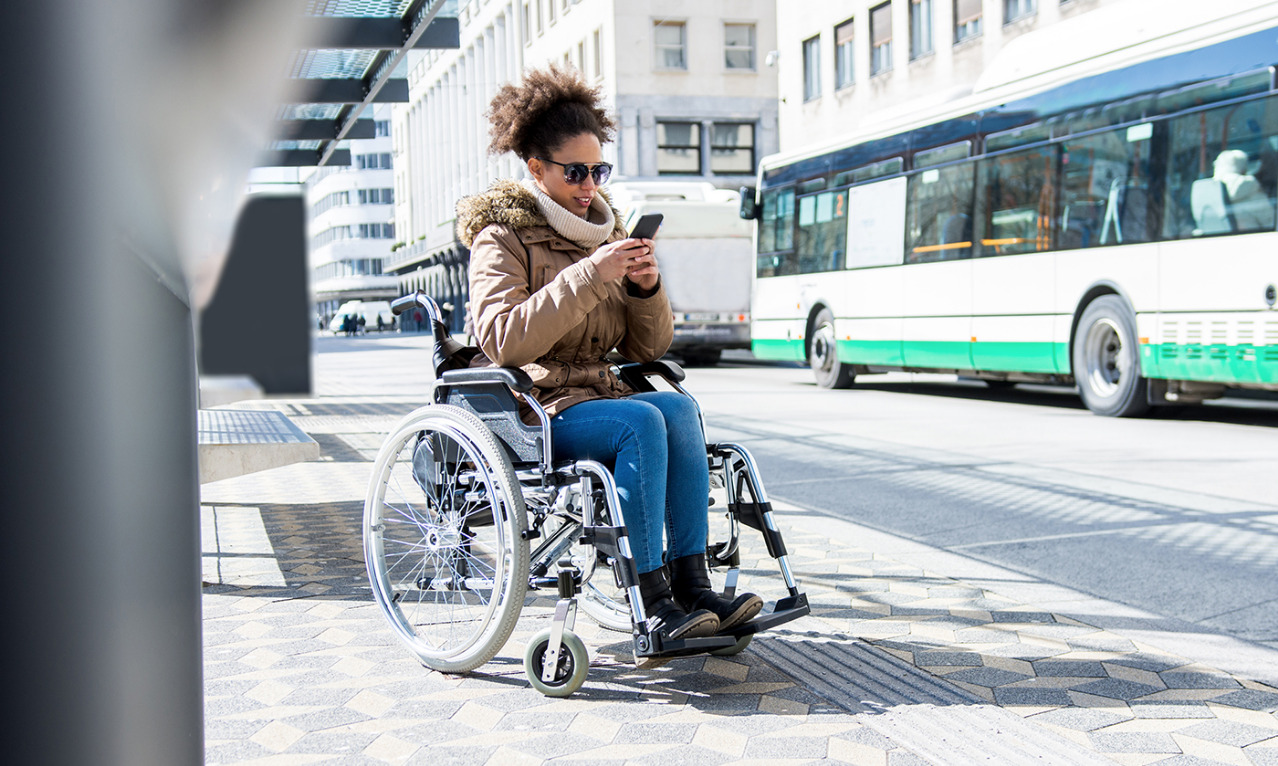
[(1175, 516)]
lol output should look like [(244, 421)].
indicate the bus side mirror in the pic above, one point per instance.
[(749, 210)]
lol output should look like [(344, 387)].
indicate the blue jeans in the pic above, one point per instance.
[(655, 442)]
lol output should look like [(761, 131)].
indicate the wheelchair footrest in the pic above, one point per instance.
[(787, 609), (656, 647)]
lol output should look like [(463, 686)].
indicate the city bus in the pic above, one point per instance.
[(1106, 222)]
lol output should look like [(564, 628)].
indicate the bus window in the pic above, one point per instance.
[(1105, 188), (878, 170), (1222, 170), (776, 233), (822, 231), (941, 155), (938, 214), (1018, 193)]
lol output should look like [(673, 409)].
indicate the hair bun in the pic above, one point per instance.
[(548, 107)]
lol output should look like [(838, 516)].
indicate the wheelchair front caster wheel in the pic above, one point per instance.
[(736, 648), (571, 669)]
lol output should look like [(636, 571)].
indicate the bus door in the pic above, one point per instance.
[(937, 274), (1014, 277), (869, 326)]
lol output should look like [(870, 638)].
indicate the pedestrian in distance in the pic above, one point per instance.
[(556, 285)]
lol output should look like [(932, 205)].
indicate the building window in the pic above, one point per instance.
[(967, 19), (732, 148), (373, 161), (336, 199), (581, 56), (678, 148), (669, 39), (843, 55), (811, 68), (554, 11), (376, 231), (527, 24), (881, 39), (921, 28), (376, 197), (537, 17), (738, 46), (597, 39), (381, 128), (1018, 9)]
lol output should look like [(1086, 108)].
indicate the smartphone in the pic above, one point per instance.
[(646, 227)]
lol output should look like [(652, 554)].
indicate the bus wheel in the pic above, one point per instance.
[(1106, 365), (823, 355)]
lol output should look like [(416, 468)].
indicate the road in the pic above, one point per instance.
[(1168, 523)]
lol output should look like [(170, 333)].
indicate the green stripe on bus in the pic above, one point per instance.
[(941, 354), (1040, 357), (778, 350), (884, 352), (1216, 363)]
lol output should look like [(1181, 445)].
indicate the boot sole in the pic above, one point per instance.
[(702, 628), (743, 614)]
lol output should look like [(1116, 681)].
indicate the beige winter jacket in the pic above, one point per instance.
[(538, 303)]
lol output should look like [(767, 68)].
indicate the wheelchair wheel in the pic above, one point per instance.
[(600, 598), (443, 539), (571, 669), (736, 648)]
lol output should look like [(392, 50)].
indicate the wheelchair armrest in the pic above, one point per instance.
[(513, 377), (636, 374)]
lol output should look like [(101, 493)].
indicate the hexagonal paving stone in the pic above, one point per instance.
[(1116, 688)]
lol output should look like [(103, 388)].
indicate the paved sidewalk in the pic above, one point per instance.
[(900, 663)]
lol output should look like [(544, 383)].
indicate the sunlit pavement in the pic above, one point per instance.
[(910, 656)]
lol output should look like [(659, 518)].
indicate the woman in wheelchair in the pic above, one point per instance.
[(556, 285)]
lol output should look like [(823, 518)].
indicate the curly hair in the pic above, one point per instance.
[(550, 106)]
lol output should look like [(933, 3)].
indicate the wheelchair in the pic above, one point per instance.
[(467, 513)]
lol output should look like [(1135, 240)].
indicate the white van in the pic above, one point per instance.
[(706, 256), (370, 310)]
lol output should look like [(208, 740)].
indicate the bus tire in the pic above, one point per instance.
[(823, 355), (1106, 360)]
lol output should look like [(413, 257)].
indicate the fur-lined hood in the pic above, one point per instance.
[(512, 204)]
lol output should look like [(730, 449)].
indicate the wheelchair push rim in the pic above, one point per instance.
[(443, 539)]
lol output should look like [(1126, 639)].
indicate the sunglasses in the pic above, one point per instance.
[(575, 172)]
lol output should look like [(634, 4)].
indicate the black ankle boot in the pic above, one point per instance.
[(665, 616), (690, 584)]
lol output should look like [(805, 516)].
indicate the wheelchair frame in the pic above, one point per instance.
[(484, 473)]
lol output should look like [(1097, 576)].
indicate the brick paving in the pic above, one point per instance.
[(896, 665)]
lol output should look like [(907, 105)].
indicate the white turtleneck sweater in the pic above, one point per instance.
[(589, 232)]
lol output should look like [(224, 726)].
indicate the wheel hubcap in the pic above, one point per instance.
[(823, 348), (1104, 358), (443, 538)]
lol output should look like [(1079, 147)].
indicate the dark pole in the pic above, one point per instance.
[(98, 392), (98, 406)]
